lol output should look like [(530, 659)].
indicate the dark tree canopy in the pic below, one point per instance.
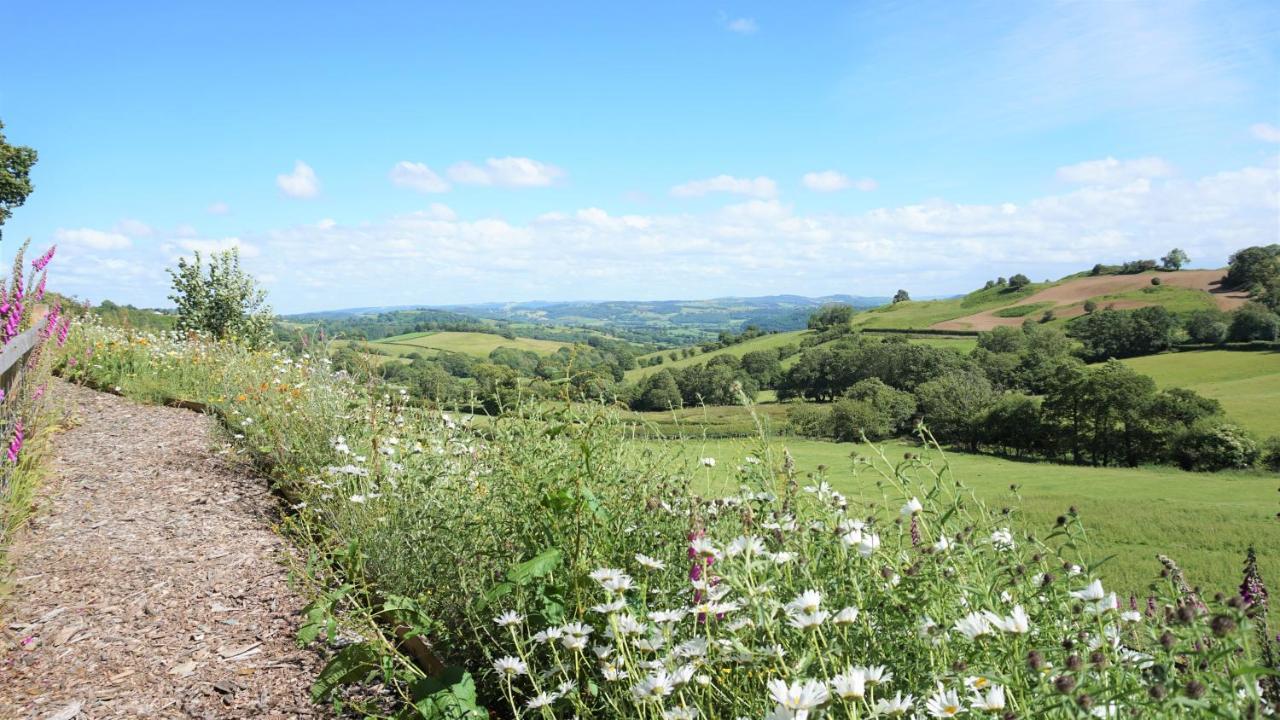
[(15, 175)]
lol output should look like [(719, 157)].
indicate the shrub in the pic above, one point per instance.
[(1271, 453), (1254, 321), (852, 420), (810, 420), (1155, 280), (220, 299), (1215, 445), (1207, 327)]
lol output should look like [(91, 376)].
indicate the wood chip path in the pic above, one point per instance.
[(149, 584)]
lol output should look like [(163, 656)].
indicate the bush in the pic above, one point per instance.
[(1271, 453), (1155, 281), (1215, 445), (809, 420), (1253, 321), (1207, 327), (852, 420)]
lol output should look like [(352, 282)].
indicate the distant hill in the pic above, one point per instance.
[(657, 321), (769, 312)]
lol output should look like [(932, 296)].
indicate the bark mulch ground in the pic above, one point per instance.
[(150, 583)]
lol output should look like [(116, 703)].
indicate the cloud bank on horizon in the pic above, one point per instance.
[(890, 155)]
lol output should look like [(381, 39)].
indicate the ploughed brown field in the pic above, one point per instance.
[(1068, 298)]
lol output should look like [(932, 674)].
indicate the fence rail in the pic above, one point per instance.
[(15, 354)]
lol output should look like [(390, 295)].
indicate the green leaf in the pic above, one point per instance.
[(351, 664), (451, 695), (541, 565)]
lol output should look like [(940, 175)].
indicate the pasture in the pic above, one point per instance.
[(468, 343), (1204, 521), (1246, 383)]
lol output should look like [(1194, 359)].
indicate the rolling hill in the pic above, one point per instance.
[(1180, 292)]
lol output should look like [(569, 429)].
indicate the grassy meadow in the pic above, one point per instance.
[(1204, 521), (467, 343), (1246, 383)]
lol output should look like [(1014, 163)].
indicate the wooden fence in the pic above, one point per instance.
[(15, 354)]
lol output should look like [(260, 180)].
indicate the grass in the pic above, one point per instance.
[(962, 344), (1017, 311), (924, 313), (469, 343), (1204, 521), (764, 342), (1246, 383)]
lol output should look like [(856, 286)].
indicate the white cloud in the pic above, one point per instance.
[(742, 25), (301, 183), (132, 228), (417, 176), (327, 223), (1266, 132), (94, 239), (761, 187), (208, 247), (755, 246), (832, 181), (1110, 171), (219, 208), (506, 172)]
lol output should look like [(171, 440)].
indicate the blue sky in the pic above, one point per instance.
[(393, 153)]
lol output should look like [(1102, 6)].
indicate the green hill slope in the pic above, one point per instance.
[(1246, 383)]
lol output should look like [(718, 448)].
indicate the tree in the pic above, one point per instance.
[(659, 391), (1213, 445), (1207, 326), (954, 406), (763, 366), (1014, 425), (901, 296), (1253, 321), (1090, 306), (15, 176), (1253, 267), (851, 420), (225, 302), (1019, 281), (829, 316), (1174, 260), (1124, 333), (893, 407)]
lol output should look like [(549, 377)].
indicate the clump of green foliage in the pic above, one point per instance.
[(220, 299)]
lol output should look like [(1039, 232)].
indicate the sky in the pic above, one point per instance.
[(393, 153)]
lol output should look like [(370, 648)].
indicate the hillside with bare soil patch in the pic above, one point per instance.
[(1067, 299)]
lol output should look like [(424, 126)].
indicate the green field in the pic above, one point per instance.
[(469, 343), (764, 342), (1204, 521), (923, 313), (1246, 383)]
